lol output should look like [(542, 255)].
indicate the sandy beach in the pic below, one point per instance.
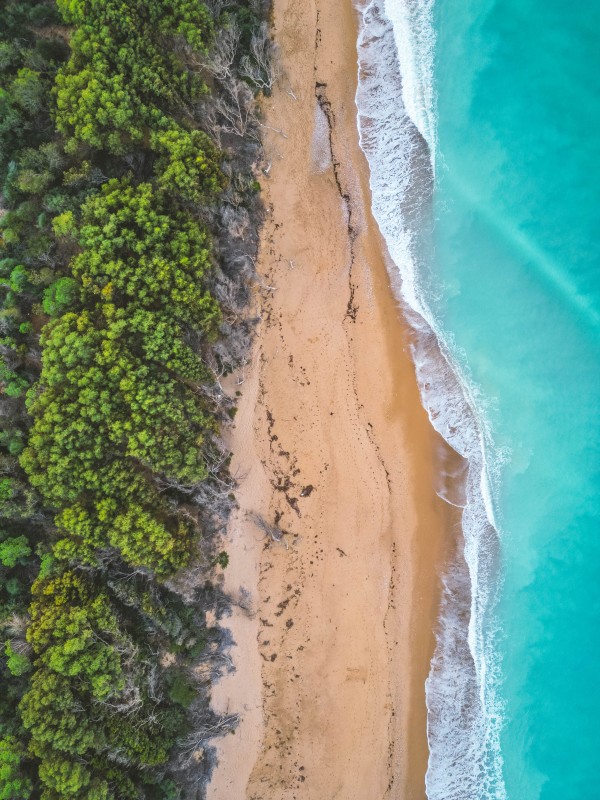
[(333, 450)]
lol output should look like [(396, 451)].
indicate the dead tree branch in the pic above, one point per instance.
[(237, 108), (261, 65), (221, 58), (274, 533), (208, 727)]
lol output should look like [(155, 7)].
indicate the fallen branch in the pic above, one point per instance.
[(272, 531)]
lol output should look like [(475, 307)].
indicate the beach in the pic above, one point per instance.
[(336, 547)]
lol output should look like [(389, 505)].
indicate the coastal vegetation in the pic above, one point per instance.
[(129, 207)]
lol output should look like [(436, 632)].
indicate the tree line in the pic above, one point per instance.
[(128, 225)]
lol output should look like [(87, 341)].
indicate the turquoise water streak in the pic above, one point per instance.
[(517, 251)]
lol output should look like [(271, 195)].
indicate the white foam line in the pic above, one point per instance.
[(395, 100), (415, 44)]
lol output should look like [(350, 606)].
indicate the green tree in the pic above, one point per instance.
[(188, 164), (56, 717), (14, 785), (125, 390), (65, 776), (60, 295), (72, 630), (14, 550), (18, 664), (107, 420), (137, 250), (121, 79)]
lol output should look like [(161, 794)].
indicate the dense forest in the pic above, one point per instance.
[(129, 206)]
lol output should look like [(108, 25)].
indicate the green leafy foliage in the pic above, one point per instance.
[(60, 295), (117, 388), (51, 711), (106, 314), (18, 664), (188, 164), (121, 79), (181, 691), (68, 778), (137, 250), (71, 628), (14, 550), (14, 785), (222, 559), (142, 539), (27, 67)]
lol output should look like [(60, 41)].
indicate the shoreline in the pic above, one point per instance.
[(333, 447)]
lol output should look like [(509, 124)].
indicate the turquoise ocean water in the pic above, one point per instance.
[(517, 246), (507, 95)]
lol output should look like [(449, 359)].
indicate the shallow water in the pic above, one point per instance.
[(502, 263), (517, 248)]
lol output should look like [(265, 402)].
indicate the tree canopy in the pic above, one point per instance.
[(112, 195)]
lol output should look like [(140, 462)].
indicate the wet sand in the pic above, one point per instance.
[(333, 451)]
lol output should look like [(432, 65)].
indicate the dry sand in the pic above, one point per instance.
[(332, 446)]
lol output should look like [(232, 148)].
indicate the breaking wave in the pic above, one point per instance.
[(395, 101)]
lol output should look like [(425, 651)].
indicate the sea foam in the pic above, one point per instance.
[(396, 119)]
